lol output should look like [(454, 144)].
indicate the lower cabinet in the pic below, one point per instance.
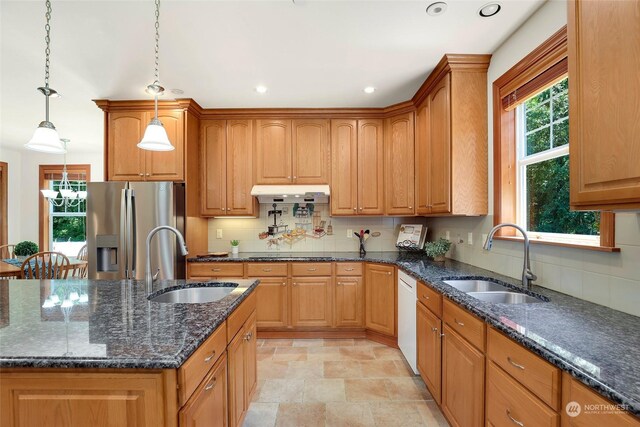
[(429, 340), (273, 302), (462, 381), (380, 298), (208, 405), (311, 302), (242, 367), (349, 302)]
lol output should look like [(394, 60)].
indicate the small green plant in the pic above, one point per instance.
[(438, 248), (235, 242), (25, 248)]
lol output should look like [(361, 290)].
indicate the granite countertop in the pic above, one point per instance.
[(597, 345), (110, 325)]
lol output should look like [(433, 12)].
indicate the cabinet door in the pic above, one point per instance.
[(399, 177), (349, 302), (311, 301), (213, 154), (167, 165), (240, 168), (273, 152), (250, 359), (462, 381), (440, 146), (310, 146), (603, 104), (344, 167), (272, 302), (380, 294), (428, 330), (370, 167), (423, 161), (208, 405), (237, 381), (125, 159)]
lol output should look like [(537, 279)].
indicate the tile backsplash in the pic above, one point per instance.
[(246, 230)]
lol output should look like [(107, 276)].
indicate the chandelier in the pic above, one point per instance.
[(68, 196)]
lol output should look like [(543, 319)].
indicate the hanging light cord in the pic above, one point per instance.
[(47, 39), (157, 73)]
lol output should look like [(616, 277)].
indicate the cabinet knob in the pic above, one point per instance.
[(355, 209), (360, 208), (294, 177), (339, 283), (388, 273), (148, 174), (289, 177), (284, 283), (141, 174), (222, 208), (410, 207), (295, 284), (434, 330)]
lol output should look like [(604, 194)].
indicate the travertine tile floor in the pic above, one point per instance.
[(341, 382)]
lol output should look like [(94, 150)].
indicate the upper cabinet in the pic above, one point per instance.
[(399, 165), (357, 167), (603, 104), (451, 138), (292, 151), (226, 156)]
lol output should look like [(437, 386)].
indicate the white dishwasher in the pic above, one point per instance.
[(407, 298)]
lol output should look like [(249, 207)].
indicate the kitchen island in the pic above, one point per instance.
[(89, 352)]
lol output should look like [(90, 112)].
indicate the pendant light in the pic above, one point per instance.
[(155, 136), (45, 138), (68, 196)]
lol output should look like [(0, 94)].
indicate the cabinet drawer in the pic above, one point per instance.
[(464, 323), (191, 373), (509, 404), (536, 374), (267, 269), (430, 298), (240, 315), (349, 269), (311, 269), (216, 269), (208, 405)]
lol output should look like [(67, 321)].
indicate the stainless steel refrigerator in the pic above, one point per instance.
[(119, 218)]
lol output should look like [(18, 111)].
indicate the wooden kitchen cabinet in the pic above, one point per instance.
[(603, 104), (380, 298), (272, 302), (357, 165), (311, 302), (226, 167), (242, 366), (349, 298), (310, 151), (208, 405), (429, 359), (273, 152), (399, 165), (438, 148)]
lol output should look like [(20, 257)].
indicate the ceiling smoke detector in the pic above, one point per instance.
[(437, 8), (489, 10)]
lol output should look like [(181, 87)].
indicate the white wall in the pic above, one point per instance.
[(611, 279), (13, 159)]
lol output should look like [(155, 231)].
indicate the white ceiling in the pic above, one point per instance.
[(314, 53)]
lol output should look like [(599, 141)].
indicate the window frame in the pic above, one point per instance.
[(546, 58)]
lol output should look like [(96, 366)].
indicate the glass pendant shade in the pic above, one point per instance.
[(46, 140), (155, 138), (49, 194)]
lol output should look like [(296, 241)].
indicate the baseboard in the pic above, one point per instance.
[(331, 334)]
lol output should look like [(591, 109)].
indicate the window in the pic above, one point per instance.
[(531, 153)]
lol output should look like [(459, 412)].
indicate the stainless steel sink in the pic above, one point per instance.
[(193, 295), (476, 286), (505, 297)]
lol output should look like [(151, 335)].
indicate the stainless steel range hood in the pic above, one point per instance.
[(291, 193)]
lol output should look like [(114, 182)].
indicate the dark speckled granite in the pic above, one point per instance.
[(117, 328), (595, 344)]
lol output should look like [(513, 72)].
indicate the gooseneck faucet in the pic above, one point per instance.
[(527, 274), (148, 277)]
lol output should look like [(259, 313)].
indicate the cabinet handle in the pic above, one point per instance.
[(459, 323), (211, 385), (425, 297), (311, 269), (434, 330), (349, 269), (266, 269), (388, 273), (513, 420), (355, 209), (289, 177), (295, 284), (215, 269), (141, 174), (211, 356), (294, 177), (517, 365), (148, 174)]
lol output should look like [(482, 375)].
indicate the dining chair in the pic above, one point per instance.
[(7, 251), (83, 255), (46, 265)]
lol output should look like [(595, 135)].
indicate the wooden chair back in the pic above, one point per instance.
[(7, 251), (46, 265), (83, 255)]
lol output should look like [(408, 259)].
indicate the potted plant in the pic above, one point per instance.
[(235, 246), (437, 249), (25, 249)]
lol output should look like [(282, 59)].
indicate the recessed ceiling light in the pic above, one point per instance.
[(437, 8), (489, 9), (261, 89), (369, 89)]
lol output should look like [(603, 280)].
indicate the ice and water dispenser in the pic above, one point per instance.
[(107, 252)]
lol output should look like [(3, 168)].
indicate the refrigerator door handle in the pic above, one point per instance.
[(134, 234), (124, 238)]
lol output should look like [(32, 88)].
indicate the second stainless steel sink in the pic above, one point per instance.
[(473, 285), (505, 297), (195, 295)]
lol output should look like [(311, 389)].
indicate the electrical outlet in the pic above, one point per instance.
[(447, 235), (285, 210), (218, 233), (349, 233), (470, 238)]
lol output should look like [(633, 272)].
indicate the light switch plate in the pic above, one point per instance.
[(218, 233), (447, 235), (470, 238), (349, 233)]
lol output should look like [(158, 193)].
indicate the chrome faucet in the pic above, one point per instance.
[(527, 274), (148, 277)]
